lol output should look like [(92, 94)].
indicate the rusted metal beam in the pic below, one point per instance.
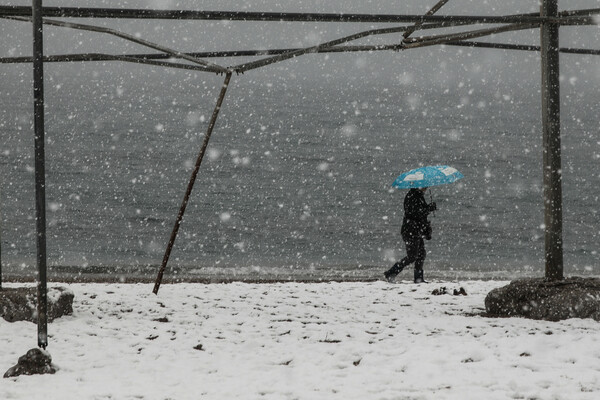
[(190, 186), (88, 12), (119, 13), (91, 28), (0, 235), (522, 47), (552, 171), (40, 174), (149, 58), (431, 11), (446, 38)]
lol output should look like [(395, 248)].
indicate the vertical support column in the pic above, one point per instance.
[(186, 197), (40, 170), (551, 142), (0, 234)]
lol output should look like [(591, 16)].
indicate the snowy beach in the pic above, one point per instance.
[(274, 287), (347, 340)]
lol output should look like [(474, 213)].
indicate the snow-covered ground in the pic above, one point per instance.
[(301, 341)]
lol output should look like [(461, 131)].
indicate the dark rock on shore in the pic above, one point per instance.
[(20, 304), (546, 300), (35, 362)]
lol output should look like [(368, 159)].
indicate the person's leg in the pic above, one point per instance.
[(420, 261), (391, 273), (412, 252)]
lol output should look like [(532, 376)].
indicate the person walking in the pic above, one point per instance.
[(415, 227)]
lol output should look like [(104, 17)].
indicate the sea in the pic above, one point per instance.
[(296, 180)]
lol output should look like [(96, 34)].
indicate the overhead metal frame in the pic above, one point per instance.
[(548, 20)]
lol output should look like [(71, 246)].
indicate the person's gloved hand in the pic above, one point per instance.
[(433, 206)]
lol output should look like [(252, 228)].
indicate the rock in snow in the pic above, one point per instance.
[(20, 304), (35, 362), (546, 300)]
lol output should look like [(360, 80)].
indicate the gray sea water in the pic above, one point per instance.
[(296, 180)]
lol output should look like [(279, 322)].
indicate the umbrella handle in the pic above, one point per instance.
[(431, 201)]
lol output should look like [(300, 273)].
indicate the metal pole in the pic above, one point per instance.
[(40, 173), (432, 11), (154, 59), (86, 12), (551, 143), (0, 235), (188, 191)]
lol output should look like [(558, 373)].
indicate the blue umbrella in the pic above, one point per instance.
[(427, 176)]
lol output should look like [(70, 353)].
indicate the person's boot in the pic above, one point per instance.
[(391, 273), (419, 276)]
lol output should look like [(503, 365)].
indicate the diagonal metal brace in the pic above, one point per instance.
[(190, 186)]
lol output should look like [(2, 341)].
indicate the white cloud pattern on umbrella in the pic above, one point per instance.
[(427, 176)]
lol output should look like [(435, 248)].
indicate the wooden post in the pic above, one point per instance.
[(551, 142), (188, 191), (40, 170)]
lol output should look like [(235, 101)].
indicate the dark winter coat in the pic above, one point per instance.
[(416, 209)]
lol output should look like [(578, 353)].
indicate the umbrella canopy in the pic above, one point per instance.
[(427, 176)]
